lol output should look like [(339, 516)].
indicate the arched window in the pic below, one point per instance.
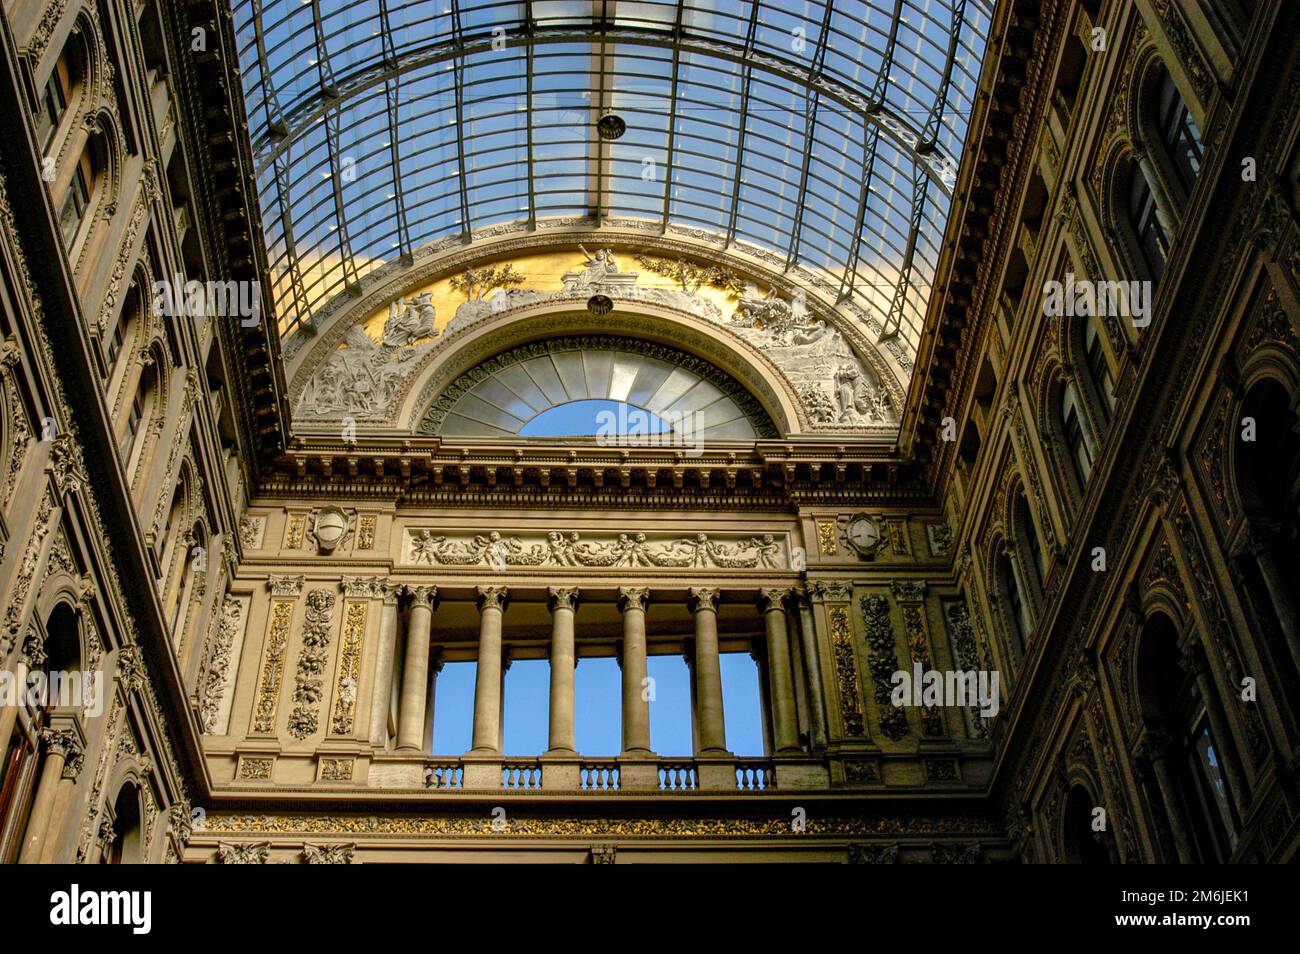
[(1152, 239), (1098, 369), (59, 91), (126, 846), (190, 555), (139, 411), (25, 755), (1032, 567), (76, 199), (1267, 475), (132, 309), (1017, 609), (1081, 842), (1177, 722), (1179, 134), (1076, 440)]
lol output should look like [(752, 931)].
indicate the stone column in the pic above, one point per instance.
[(487, 682), (785, 728), (1257, 544), (764, 697), (1166, 209), (636, 706), (692, 682), (73, 761), (1153, 749), (1193, 663), (61, 745), (797, 670), (382, 701), (435, 667), (816, 698), (708, 672), (564, 603), (506, 660), (412, 713)]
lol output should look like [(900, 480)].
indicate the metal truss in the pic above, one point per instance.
[(344, 79)]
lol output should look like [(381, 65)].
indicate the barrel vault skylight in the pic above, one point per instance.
[(827, 134)]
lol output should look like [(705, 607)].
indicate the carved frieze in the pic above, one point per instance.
[(255, 768), (567, 548), (366, 379)]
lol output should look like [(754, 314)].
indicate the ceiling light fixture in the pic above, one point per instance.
[(611, 126)]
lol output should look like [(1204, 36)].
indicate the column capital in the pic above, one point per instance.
[(362, 587), (563, 597), (424, 596), (829, 591), (285, 585), (58, 740), (702, 597), (632, 597), (908, 591), (493, 597), (772, 598)]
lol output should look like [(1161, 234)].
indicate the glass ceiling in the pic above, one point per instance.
[(827, 134)]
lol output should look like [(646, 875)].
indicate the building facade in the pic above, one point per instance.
[(1066, 461)]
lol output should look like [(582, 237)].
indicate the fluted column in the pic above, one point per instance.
[(487, 682), (785, 727), (708, 671), (636, 704), (415, 669), (60, 746), (563, 602)]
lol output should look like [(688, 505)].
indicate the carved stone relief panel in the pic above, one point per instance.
[(569, 548)]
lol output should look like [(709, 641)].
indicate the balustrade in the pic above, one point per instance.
[(521, 773)]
